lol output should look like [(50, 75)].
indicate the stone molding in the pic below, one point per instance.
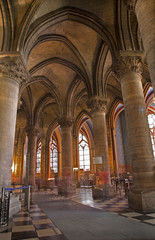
[(127, 64), (65, 121), (131, 4), (97, 104), (31, 130), (12, 66), (19, 104)]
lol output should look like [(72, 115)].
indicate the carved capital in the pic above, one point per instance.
[(12, 66), (19, 104), (65, 121), (97, 104), (31, 130), (127, 64)]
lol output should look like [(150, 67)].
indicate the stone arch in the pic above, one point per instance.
[(68, 13), (67, 43), (8, 25), (45, 81)]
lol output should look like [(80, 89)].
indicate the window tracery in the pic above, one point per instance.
[(53, 156), (84, 153), (38, 163), (151, 121)]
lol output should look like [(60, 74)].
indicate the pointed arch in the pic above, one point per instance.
[(8, 25), (46, 82), (67, 13)]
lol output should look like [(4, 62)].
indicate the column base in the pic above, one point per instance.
[(104, 192), (142, 201), (65, 190), (50, 184), (15, 205), (34, 188), (43, 185)]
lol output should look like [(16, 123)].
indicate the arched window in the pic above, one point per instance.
[(151, 121), (53, 156), (84, 153), (38, 163)]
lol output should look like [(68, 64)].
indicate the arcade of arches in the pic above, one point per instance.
[(76, 94)]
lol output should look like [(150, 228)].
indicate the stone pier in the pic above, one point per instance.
[(32, 134), (142, 196), (98, 111), (12, 73), (66, 187)]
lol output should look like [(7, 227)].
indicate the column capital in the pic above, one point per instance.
[(12, 66), (31, 130), (65, 121), (19, 104), (125, 64), (97, 104)]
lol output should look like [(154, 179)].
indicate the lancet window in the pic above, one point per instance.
[(53, 155), (84, 153), (151, 121), (38, 163)]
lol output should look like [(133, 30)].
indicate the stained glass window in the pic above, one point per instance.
[(151, 121), (53, 155), (84, 153), (38, 163)]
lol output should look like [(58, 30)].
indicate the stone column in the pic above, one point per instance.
[(67, 169), (145, 12), (32, 134), (98, 110), (142, 196), (12, 73)]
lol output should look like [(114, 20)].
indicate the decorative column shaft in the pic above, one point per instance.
[(75, 165), (12, 73), (129, 70), (32, 133), (98, 110), (43, 161), (74, 141), (145, 12)]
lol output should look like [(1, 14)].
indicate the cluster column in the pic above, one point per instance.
[(67, 169), (129, 70), (12, 73), (32, 134)]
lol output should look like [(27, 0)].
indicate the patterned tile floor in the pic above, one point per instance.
[(32, 225), (117, 205), (35, 225)]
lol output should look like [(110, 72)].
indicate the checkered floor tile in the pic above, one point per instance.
[(117, 205), (35, 225), (32, 225)]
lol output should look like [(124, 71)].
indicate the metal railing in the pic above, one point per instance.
[(5, 203), (4, 208)]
